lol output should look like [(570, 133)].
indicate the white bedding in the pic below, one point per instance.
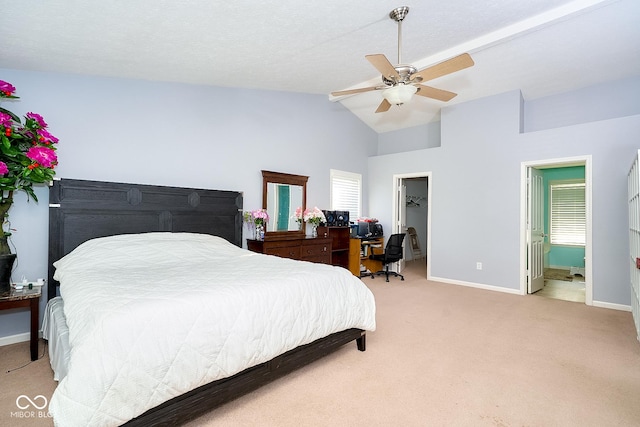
[(56, 332), (154, 315)]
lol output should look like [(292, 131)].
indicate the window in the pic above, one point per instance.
[(346, 192), (568, 213)]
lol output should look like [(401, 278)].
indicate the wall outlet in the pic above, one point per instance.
[(478, 266)]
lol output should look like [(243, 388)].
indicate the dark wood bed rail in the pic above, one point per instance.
[(199, 401)]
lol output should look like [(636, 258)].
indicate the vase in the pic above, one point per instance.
[(314, 230), (6, 265), (259, 232)]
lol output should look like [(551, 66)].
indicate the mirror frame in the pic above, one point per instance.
[(284, 178)]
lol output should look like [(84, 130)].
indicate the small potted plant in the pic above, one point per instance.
[(314, 217), (257, 222), (27, 157)]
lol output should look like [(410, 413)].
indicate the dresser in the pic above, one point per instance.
[(340, 248), (313, 249)]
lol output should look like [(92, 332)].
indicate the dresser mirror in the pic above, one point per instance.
[(282, 194)]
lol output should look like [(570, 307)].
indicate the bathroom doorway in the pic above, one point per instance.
[(564, 260)]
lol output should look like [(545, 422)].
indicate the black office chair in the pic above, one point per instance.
[(392, 253)]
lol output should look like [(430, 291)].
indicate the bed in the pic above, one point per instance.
[(166, 316)]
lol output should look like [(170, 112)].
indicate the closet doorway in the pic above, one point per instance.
[(412, 210), (553, 265)]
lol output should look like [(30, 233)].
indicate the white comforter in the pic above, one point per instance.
[(154, 315)]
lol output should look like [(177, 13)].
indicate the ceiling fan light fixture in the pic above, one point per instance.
[(401, 81), (399, 94)]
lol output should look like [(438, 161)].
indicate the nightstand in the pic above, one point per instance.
[(26, 298)]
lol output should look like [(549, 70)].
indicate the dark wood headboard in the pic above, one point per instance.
[(82, 210)]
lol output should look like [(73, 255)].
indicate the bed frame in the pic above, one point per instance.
[(82, 210)]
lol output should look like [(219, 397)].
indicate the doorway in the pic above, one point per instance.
[(412, 196), (535, 236)]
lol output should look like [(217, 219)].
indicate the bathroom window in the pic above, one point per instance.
[(568, 219)]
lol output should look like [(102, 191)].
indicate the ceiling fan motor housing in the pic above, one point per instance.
[(404, 73), (399, 13)]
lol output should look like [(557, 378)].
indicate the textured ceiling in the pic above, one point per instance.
[(542, 47)]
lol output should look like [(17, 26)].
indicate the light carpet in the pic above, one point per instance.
[(443, 355)]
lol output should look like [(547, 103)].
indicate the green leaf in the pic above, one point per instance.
[(30, 193), (37, 175), (13, 116)]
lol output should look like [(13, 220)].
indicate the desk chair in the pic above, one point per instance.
[(392, 253)]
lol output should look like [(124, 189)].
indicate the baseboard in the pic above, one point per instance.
[(14, 339), (611, 306), (475, 285), (601, 304), (559, 267)]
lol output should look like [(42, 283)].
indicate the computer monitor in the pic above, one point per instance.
[(363, 229)]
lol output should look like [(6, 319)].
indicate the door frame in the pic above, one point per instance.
[(585, 160), (397, 227)]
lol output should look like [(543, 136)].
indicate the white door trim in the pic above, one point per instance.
[(397, 178), (557, 162), (535, 230)]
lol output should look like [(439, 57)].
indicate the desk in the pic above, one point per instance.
[(26, 298), (360, 251)]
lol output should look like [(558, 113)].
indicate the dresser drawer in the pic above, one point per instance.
[(318, 259), (317, 252), (283, 251), (303, 248)]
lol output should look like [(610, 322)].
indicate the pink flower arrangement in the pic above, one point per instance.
[(27, 156), (260, 216), (367, 219), (256, 217), (298, 214), (314, 216)]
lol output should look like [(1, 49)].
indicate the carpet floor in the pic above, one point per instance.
[(442, 355)]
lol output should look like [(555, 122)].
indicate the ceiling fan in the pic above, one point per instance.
[(402, 81)]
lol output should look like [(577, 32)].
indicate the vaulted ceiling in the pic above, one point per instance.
[(541, 47)]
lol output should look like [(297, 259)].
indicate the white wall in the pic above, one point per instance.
[(409, 139), (179, 135), (475, 186), (605, 101)]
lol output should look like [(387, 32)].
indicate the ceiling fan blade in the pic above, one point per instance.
[(384, 106), (432, 92), (449, 66), (352, 91), (383, 65)]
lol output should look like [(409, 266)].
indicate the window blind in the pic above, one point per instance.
[(346, 192), (568, 214)]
